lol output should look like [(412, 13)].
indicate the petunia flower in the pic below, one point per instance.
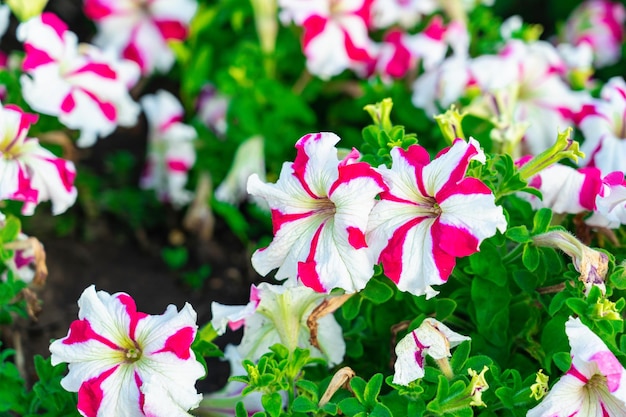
[(431, 338), (126, 363), (86, 89), (212, 107), (595, 384), (31, 173), (319, 207), (565, 189), (610, 202), (171, 152), (599, 24), (431, 215), (140, 30), (335, 34), (278, 314), (603, 124)]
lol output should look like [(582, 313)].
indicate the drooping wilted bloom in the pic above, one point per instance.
[(249, 159), (431, 215), (211, 108), (126, 363), (595, 384), (139, 30), (79, 84), (31, 173), (171, 152), (319, 207), (278, 314), (431, 338), (599, 24), (335, 33), (603, 123)]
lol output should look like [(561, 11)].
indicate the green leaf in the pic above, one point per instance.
[(562, 360), (459, 357), (444, 308), (351, 406), (240, 410), (11, 229), (557, 302), (518, 234), (175, 257), (577, 305), (370, 394), (350, 309), (531, 257), (272, 403), (541, 221), (303, 405), (377, 292), (526, 280)]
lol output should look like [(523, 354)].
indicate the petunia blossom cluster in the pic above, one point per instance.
[(330, 229)]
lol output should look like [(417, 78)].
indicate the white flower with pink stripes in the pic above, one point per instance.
[(171, 152), (595, 384), (126, 363), (83, 87), (140, 30), (335, 33), (599, 24), (320, 206), (29, 172), (431, 215), (603, 123)]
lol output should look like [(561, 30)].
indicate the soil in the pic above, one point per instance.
[(117, 264)]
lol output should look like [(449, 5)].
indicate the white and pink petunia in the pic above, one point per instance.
[(599, 24), (595, 384), (31, 173), (126, 363), (431, 215), (565, 189), (610, 202), (171, 152), (320, 207), (139, 30), (335, 34), (279, 314), (603, 124), (86, 89), (431, 338)]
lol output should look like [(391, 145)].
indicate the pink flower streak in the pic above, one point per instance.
[(31, 173), (320, 207), (139, 30), (431, 215), (126, 363)]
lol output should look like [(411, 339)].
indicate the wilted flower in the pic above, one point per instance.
[(31, 173), (278, 314), (431, 215), (171, 152), (139, 30), (335, 33), (79, 84), (595, 384), (211, 108), (599, 24), (123, 362), (431, 338), (320, 207)]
